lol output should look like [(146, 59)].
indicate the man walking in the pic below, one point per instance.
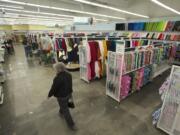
[(62, 90)]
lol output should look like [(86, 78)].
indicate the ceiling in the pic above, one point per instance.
[(143, 7)]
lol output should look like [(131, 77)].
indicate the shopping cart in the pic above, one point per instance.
[(46, 57)]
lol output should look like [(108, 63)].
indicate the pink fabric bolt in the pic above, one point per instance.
[(125, 86), (140, 78)]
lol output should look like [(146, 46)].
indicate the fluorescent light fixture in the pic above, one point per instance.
[(40, 17), (111, 8), (33, 18), (101, 20), (34, 12), (62, 9), (165, 6), (31, 21), (40, 22), (44, 13), (11, 6)]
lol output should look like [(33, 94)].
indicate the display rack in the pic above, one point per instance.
[(2, 71), (146, 63), (83, 62), (114, 73), (1, 95), (127, 47), (169, 120)]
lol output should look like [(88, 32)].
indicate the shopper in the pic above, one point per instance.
[(25, 44), (27, 47), (10, 45), (62, 90), (46, 48)]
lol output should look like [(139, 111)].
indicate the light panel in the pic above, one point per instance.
[(44, 13), (101, 20), (34, 12), (20, 20), (35, 16), (12, 6), (165, 6), (111, 8), (62, 9)]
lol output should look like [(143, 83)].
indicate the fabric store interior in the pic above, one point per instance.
[(123, 56)]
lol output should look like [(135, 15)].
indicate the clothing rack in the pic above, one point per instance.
[(68, 46), (96, 38)]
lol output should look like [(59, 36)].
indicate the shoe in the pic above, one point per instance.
[(74, 128)]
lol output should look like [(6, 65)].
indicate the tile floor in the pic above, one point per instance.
[(27, 111)]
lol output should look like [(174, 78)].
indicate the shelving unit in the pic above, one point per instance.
[(1, 95), (112, 79), (169, 120), (162, 69), (2, 74), (83, 66), (83, 63), (2, 71), (115, 60)]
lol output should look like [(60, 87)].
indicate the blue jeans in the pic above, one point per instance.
[(27, 50)]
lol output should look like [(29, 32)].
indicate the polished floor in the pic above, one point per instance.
[(27, 111)]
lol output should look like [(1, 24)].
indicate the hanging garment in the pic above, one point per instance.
[(176, 26), (112, 46), (56, 45), (93, 50), (169, 26), (68, 46), (105, 49), (104, 55), (101, 58), (60, 44), (97, 69), (64, 45), (94, 57), (101, 47)]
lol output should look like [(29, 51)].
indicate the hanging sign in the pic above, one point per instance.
[(120, 46), (83, 20)]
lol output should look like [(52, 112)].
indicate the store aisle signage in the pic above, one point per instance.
[(83, 20)]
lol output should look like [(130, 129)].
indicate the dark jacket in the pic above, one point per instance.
[(62, 85)]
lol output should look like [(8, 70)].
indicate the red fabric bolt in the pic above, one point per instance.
[(64, 45)]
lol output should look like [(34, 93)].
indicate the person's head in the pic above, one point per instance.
[(59, 67)]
